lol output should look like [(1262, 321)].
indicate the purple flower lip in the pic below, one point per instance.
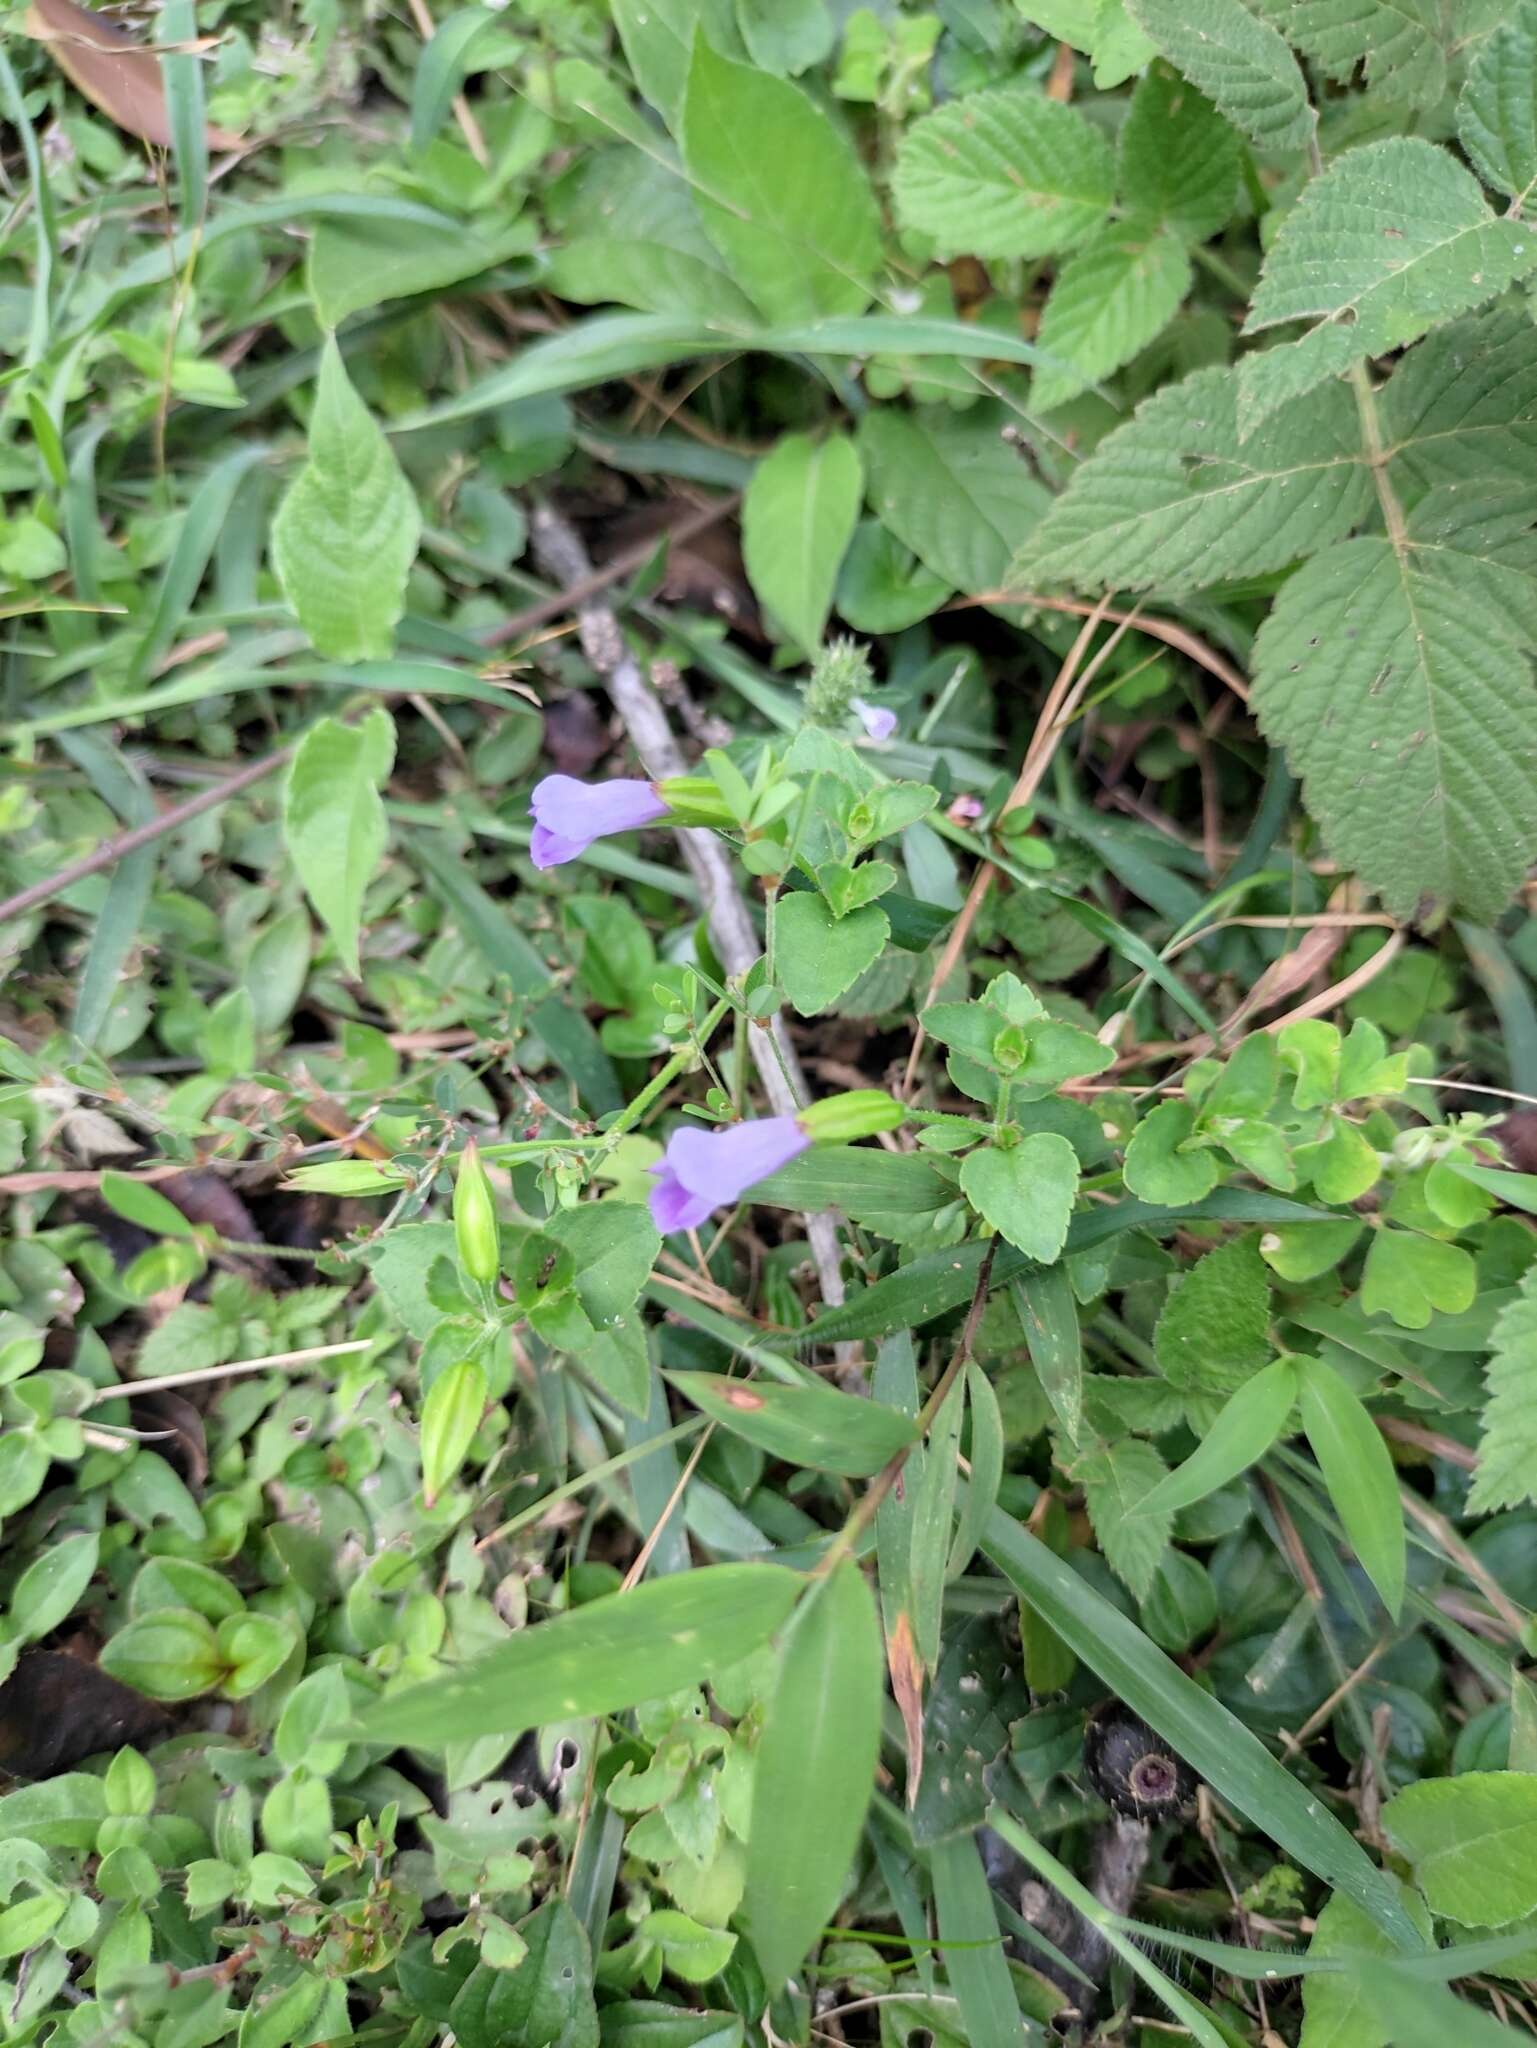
[(879, 723), (569, 815), (705, 1170)]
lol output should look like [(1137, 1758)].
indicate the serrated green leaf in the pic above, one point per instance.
[(333, 819), (1497, 113), (1179, 157), (1237, 61), (1507, 1452), (1472, 1842), (598, 1659), (1388, 241), (1174, 498), (1462, 405), (815, 1770), (798, 517), (1100, 28), (1110, 299), (1398, 42), (1397, 680), (780, 192), (1117, 1479), (1214, 1331), (952, 489), (1005, 172), (345, 536), (1359, 1473)]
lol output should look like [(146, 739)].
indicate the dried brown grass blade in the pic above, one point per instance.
[(114, 72)]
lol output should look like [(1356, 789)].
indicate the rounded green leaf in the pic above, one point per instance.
[(172, 1655), (1026, 1192)]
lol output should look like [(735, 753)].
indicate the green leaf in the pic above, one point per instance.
[(1157, 1168), (1027, 1192), (614, 1245), (451, 1414), (1429, 2015), (1179, 158), (1462, 404), (1214, 1332), (1118, 1481), (345, 536), (47, 1591), (1239, 62), (780, 192), (1336, 2011), (818, 957), (1048, 1315), (1006, 172), (546, 2001), (1389, 240), (1174, 498), (952, 489), (658, 38), (598, 1659), (171, 1655), (815, 1770), (1110, 299), (1359, 1472), (1398, 42), (1247, 1425), (1100, 28), (814, 1426), (985, 1452), (354, 264), (1410, 1277), (786, 36), (933, 1514), (1497, 113), (1472, 1842), (976, 1962), (1219, 1747), (928, 1286), (333, 819), (1507, 1451), (282, 2013), (144, 1205), (798, 517), (635, 236), (1397, 678), (440, 71)]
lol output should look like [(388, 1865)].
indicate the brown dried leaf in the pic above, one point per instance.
[(906, 1668), (114, 72)]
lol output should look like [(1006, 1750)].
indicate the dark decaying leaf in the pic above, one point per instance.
[(56, 1710)]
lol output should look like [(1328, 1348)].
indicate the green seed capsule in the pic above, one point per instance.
[(475, 1219)]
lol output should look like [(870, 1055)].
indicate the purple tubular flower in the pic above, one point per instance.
[(569, 815), (879, 724), (704, 1170)]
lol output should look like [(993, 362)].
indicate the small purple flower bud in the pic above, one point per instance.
[(569, 815), (705, 1170), (878, 723)]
